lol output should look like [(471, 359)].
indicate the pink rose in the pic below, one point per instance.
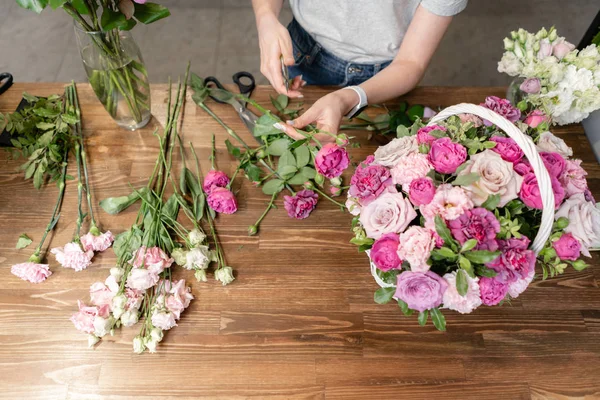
[(423, 136), (449, 202), (492, 291), (409, 168), (384, 252), (531, 86), (515, 261), (30, 271), (331, 160), (141, 279), (215, 179), (567, 247), (523, 167), (445, 156), (420, 291), (369, 181), (100, 242), (501, 107), (421, 191), (416, 244), (573, 178), (584, 221), (554, 162), (561, 49), (73, 256), (389, 213), (508, 149), (530, 192), (84, 318), (301, 204), (222, 201), (479, 224), (535, 118), (163, 320)]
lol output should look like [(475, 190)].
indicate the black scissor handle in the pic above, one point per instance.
[(215, 83), (245, 89), (6, 81)]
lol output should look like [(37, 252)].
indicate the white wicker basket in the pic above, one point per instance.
[(528, 147)]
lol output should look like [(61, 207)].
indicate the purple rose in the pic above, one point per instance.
[(515, 262), (492, 291), (369, 181), (300, 205), (501, 107), (530, 192), (531, 86), (554, 162), (421, 191), (507, 148), (567, 247), (420, 291), (479, 224), (384, 252), (222, 200), (423, 136), (445, 156), (215, 179), (523, 167), (331, 160)]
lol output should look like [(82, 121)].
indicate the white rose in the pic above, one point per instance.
[(389, 213), (463, 304), (129, 318), (584, 221), (197, 258), (138, 345), (196, 237), (496, 176), (102, 326), (415, 247), (224, 275), (391, 153), (553, 144)]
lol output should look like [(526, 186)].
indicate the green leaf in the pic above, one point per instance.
[(273, 186), (127, 242), (80, 6), (69, 118), (384, 295), (579, 265), (465, 264), (112, 20), (278, 147), (46, 112), (491, 202), (56, 3), (297, 179), (33, 5), (468, 245), (443, 231), (481, 270), (23, 241), (466, 179), (253, 172), (171, 208), (438, 133), (45, 139), (462, 285), (443, 253), (423, 317), (30, 170), (38, 177), (404, 308), (286, 171), (199, 204), (309, 172), (114, 205), (302, 156), (481, 256), (264, 126), (234, 151), (283, 101), (150, 12), (402, 131), (192, 183), (44, 126), (287, 158), (415, 112), (438, 319)]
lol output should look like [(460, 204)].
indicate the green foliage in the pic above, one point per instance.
[(438, 319), (404, 308), (23, 241), (114, 205), (150, 12), (466, 179), (422, 319), (462, 285), (384, 295)]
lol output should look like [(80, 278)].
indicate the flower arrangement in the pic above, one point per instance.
[(455, 214), (558, 79)]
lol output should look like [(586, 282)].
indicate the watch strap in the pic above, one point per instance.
[(362, 101)]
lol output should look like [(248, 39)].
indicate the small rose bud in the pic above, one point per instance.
[(252, 230), (119, 301), (308, 185), (179, 255), (342, 140), (319, 179), (336, 181), (335, 191)]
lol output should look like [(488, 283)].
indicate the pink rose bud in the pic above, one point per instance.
[(421, 191), (560, 50), (335, 191), (531, 86), (331, 160), (222, 201), (567, 247), (384, 252), (300, 205), (535, 118), (445, 156), (215, 179)]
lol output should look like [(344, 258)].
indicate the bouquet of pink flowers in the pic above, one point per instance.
[(455, 214)]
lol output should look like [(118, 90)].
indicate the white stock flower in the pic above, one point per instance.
[(119, 301)]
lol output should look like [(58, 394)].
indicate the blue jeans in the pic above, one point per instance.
[(319, 67)]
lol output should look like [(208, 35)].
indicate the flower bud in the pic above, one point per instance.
[(335, 191), (542, 33), (342, 140), (157, 334), (308, 185), (196, 237), (522, 35), (319, 179), (252, 230), (336, 181), (513, 35), (138, 345), (261, 154), (95, 231), (92, 340), (552, 35), (151, 346), (179, 255), (508, 44), (536, 46), (224, 275), (562, 223), (200, 275), (102, 326), (35, 258), (117, 273)]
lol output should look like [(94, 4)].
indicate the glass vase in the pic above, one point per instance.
[(116, 71), (514, 94)]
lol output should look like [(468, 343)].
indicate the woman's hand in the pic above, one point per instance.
[(327, 113), (275, 42)]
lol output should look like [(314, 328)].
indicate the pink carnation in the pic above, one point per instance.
[(73, 256), (331, 160), (573, 178), (416, 244), (84, 318), (32, 272), (301, 204), (423, 136), (420, 291), (492, 291), (445, 155), (479, 224), (369, 181), (515, 261), (215, 179), (384, 252), (507, 148), (100, 242), (222, 201), (409, 168), (449, 202), (501, 107)]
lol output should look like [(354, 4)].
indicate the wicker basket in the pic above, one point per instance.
[(528, 147)]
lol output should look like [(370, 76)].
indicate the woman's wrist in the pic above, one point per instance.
[(347, 99)]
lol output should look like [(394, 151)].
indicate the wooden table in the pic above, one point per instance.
[(299, 321)]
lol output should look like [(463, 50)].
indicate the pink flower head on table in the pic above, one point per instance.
[(222, 200), (84, 318), (215, 179), (73, 256), (369, 181), (301, 204), (567, 247), (492, 291), (32, 272), (331, 160)]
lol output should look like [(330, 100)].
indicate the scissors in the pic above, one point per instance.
[(6, 81), (247, 116)]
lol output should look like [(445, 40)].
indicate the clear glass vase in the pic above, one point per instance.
[(116, 71), (514, 94)]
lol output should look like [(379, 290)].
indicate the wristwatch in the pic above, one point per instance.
[(362, 101)]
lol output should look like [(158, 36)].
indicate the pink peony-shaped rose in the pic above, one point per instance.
[(420, 291), (507, 148), (523, 167), (567, 247), (331, 160), (421, 191), (573, 178), (222, 201), (415, 247), (553, 144), (423, 136), (389, 213), (554, 162), (449, 202), (409, 168), (163, 320), (584, 221), (368, 182), (384, 252), (463, 304), (501, 107), (535, 118), (530, 192), (84, 318), (479, 224), (73, 256), (215, 179), (531, 86), (301, 204), (32, 272), (515, 261), (492, 291), (99, 242), (445, 155)]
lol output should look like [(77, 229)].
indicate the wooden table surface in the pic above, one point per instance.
[(299, 321)]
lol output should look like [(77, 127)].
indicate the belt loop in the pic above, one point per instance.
[(313, 53)]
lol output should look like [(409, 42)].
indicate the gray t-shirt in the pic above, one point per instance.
[(364, 31)]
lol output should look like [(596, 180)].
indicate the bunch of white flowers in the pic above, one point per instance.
[(562, 81)]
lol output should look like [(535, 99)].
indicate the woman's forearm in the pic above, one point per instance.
[(266, 7)]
